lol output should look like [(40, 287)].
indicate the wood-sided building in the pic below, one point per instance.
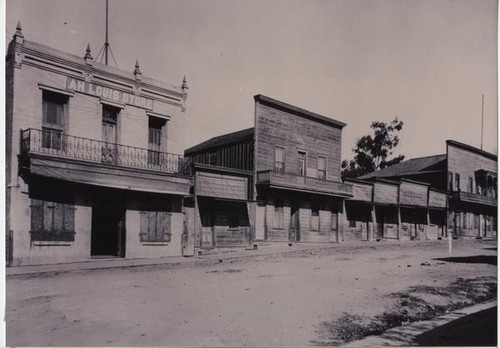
[(93, 168), (455, 192), (397, 210), (277, 181)]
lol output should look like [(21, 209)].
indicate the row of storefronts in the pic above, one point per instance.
[(96, 168)]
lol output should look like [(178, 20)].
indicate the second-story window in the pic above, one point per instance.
[(54, 116), (279, 159), (155, 142), (322, 167), (457, 181), (301, 163), (109, 133), (450, 181), (471, 184)]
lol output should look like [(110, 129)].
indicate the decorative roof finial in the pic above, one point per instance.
[(184, 84), (137, 70), (19, 36), (88, 54), (19, 29)]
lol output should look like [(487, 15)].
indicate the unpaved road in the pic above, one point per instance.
[(271, 300)]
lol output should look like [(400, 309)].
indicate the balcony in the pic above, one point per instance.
[(55, 144), (468, 197), (303, 183)]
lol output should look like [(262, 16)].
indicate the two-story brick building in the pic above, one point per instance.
[(93, 164), (454, 192), (277, 181)]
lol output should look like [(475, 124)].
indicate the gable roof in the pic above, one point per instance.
[(409, 167), (221, 140)]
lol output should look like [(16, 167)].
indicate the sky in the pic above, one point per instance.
[(426, 62)]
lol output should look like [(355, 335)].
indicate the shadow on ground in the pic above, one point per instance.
[(474, 330), (487, 259)]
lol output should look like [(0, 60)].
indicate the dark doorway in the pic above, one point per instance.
[(108, 226)]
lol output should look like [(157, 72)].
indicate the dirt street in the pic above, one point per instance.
[(272, 300)]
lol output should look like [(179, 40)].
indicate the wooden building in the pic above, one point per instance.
[(435, 195), (277, 181), (93, 164)]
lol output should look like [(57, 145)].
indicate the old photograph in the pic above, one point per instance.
[(251, 173)]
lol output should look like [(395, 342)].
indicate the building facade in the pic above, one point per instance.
[(93, 159), (277, 181), (452, 193)]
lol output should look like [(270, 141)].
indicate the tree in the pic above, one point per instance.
[(372, 152)]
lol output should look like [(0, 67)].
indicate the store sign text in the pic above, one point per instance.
[(108, 93)]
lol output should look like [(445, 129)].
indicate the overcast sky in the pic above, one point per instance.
[(425, 61)]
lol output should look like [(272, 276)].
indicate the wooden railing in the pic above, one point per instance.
[(303, 182), (54, 143), (474, 198)]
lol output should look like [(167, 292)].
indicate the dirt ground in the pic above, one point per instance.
[(271, 300)]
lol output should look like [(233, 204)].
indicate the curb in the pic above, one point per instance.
[(405, 335)]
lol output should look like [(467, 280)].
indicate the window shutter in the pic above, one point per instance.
[(48, 216), (151, 226), (143, 226), (168, 227), (69, 218), (36, 215), (58, 213)]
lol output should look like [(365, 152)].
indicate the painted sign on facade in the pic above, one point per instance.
[(108, 93)]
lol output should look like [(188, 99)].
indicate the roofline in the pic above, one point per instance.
[(386, 181), (472, 149), (360, 181), (415, 182), (70, 59), (259, 98), (190, 150)]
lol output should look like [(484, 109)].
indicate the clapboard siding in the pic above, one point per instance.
[(279, 128), (221, 185), (437, 199), (230, 236), (361, 192), (466, 163), (385, 193), (413, 194)]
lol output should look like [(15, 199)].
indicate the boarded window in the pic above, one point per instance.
[(322, 167), (314, 220), (278, 216), (334, 221), (279, 159), (155, 226), (51, 221)]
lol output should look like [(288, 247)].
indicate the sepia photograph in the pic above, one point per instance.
[(280, 173)]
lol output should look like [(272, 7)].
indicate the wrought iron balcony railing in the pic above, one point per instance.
[(54, 143), (290, 180)]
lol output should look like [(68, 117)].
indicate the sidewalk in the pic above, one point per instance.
[(412, 334), (205, 256)]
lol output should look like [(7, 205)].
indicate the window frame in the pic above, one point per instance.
[(52, 132), (314, 223), (44, 229), (277, 168), (302, 152), (147, 236), (324, 171)]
